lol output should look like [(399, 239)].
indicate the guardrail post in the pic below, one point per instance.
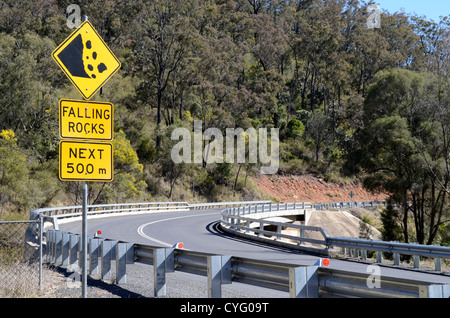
[(396, 259), (65, 248), (170, 260), (302, 234), (80, 252), (379, 257), (214, 276), (226, 270), (364, 254), (277, 237), (159, 272), (304, 282), (437, 264), (434, 291), (94, 250), (49, 246), (416, 260), (121, 255), (57, 247), (261, 227), (73, 249), (130, 253), (106, 257)]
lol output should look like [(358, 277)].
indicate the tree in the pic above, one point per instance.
[(317, 128), (28, 92), (163, 44), (295, 128), (405, 149), (391, 226), (13, 173)]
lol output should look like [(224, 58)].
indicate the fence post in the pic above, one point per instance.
[(41, 237), (304, 282)]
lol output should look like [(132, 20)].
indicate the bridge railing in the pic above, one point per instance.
[(54, 214), (299, 281), (237, 222)]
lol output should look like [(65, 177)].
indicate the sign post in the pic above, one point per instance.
[(84, 241), (86, 128)]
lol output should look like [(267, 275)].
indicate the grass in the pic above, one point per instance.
[(19, 280)]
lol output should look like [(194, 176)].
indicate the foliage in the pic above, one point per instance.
[(349, 101)]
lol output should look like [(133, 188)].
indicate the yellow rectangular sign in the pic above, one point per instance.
[(85, 161), (85, 120)]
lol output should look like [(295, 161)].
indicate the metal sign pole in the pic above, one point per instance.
[(84, 240), (84, 233)]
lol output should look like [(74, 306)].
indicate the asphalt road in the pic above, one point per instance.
[(199, 230)]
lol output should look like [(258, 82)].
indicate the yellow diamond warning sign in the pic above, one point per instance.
[(85, 120), (86, 60), (85, 161)]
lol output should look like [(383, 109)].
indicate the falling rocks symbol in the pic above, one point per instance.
[(78, 58)]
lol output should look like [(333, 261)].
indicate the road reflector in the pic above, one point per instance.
[(85, 161), (178, 245), (323, 262), (86, 60)]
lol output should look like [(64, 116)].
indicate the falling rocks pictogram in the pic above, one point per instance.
[(78, 58)]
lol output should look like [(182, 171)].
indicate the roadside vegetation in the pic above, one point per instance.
[(351, 101)]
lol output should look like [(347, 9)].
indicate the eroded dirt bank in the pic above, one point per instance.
[(311, 189)]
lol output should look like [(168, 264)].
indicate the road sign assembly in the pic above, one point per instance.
[(89, 64)]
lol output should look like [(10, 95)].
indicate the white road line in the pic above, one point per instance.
[(140, 229)]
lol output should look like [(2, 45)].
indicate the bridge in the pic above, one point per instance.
[(243, 242)]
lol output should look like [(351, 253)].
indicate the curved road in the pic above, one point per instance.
[(199, 230)]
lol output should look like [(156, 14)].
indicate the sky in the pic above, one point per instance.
[(432, 9)]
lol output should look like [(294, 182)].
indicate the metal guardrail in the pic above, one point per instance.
[(63, 249), (54, 214), (238, 222), (299, 281), (217, 205)]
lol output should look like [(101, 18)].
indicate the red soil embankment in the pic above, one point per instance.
[(311, 189)]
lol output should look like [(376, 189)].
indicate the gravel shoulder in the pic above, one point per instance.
[(59, 283)]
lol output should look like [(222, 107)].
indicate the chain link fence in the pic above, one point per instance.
[(20, 258)]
